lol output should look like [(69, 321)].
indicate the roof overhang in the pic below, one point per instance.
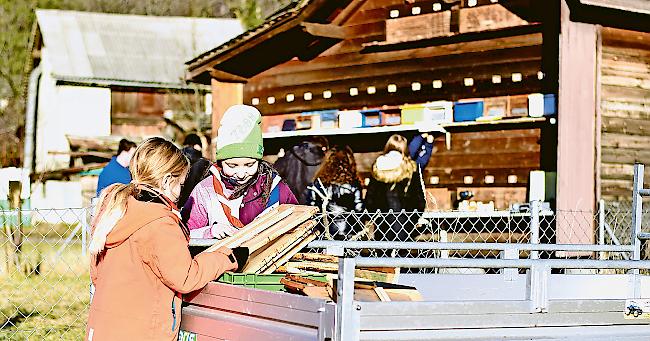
[(302, 30), (625, 14)]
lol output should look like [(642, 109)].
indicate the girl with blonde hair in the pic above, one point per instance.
[(395, 185), (140, 263)]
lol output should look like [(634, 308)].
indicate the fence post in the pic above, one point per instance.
[(535, 206), (601, 226), (538, 280), (347, 315), (84, 231), (637, 213), (509, 274)]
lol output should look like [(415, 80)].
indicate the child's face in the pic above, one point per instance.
[(242, 169), (172, 186)]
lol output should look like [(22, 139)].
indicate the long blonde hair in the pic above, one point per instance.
[(154, 158)]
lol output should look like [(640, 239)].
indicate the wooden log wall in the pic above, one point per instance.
[(350, 64), (141, 113), (625, 110)]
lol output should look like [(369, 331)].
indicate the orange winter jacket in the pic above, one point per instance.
[(141, 274)]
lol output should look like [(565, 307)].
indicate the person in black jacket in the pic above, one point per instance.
[(336, 190), (199, 166), (395, 185), (300, 163)]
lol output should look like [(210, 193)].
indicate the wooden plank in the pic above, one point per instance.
[(318, 292), (368, 68), (628, 156), (285, 256), (336, 59), (617, 188), (255, 227), (314, 257), (325, 30), (614, 53), (457, 177), (349, 11), (453, 83), (453, 89), (619, 171), (626, 126), (488, 17), (370, 15), (60, 174), (264, 256), (94, 143), (270, 234), (418, 27), (625, 94), (485, 161), (625, 141), (320, 267), (620, 37)]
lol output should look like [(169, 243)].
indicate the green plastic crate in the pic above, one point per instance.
[(269, 282)]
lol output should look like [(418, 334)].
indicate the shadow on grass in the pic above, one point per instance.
[(18, 317)]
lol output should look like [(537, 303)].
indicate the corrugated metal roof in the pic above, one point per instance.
[(100, 48)]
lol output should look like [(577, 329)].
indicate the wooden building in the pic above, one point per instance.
[(98, 77), (592, 56)]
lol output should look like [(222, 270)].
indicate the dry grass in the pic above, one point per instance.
[(49, 303)]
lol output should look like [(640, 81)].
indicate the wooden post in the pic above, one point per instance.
[(576, 167), (15, 225), (224, 95)]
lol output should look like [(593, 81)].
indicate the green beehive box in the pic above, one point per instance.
[(269, 282)]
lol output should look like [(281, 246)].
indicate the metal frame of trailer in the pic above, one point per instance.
[(537, 305)]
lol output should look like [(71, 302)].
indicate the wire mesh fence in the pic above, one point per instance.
[(43, 274), (608, 225), (44, 270)]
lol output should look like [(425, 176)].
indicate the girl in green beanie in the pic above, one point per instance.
[(241, 185)]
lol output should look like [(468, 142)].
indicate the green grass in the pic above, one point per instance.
[(50, 305)]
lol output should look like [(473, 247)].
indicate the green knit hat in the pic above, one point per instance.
[(240, 133)]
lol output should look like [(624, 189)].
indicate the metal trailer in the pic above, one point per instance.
[(537, 305)]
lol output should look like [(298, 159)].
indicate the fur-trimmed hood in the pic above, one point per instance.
[(393, 167)]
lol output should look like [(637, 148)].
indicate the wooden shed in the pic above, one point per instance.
[(564, 87)]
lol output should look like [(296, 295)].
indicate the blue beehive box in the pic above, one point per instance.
[(468, 110), (328, 118), (371, 118), (550, 105)]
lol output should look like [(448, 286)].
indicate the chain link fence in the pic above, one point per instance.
[(44, 279), (44, 274), (608, 225)]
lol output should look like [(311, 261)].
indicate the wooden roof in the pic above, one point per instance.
[(302, 29)]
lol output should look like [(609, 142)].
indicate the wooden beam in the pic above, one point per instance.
[(325, 30), (351, 9), (224, 95), (576, 127), (223, 76), (60, 174)]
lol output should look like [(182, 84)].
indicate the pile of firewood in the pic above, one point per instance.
[(275, 240)]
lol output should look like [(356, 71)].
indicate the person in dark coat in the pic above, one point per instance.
[(199, 166), (336, 190), (300, 163), (395, 184)]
